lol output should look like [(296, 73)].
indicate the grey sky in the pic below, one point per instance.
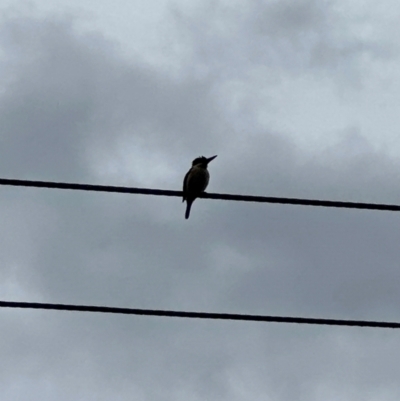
[(297, 99)]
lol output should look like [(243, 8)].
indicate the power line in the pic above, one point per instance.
[(199, 315), (230, 197)]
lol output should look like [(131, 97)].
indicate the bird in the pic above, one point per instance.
[(195, 181)]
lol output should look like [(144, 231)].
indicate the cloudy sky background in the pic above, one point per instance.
[(298, 99)]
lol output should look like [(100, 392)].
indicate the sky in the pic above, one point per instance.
[(297, 99)]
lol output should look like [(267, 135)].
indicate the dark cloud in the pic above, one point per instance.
[(279, 39), (70, 96)]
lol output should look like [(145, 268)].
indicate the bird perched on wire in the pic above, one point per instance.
[(195, 181)]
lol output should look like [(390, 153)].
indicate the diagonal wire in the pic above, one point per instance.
[(199, 315), (229, 197)]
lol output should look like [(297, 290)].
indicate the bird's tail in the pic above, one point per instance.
[(188, 206)]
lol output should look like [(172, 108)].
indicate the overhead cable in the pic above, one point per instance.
[(199, 315), (228, 197)]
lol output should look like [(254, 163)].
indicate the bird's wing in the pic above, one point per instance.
[(185, 185)]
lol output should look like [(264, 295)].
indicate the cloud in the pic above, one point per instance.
[(232, 39), (69, 95), (73, 108)]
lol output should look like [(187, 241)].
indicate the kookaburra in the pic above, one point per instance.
[(196, 181)]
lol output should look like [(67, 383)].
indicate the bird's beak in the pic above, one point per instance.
[(211, 158)]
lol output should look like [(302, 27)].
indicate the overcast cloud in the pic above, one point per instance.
[(298, 99)]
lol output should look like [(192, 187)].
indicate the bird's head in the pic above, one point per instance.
[(202, 161)]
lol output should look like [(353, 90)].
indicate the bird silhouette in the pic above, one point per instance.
[(196, 181)]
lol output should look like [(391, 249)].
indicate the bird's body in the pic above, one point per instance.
[(195, 181)]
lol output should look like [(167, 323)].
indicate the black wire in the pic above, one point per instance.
[(199, 315), (162, 192)]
